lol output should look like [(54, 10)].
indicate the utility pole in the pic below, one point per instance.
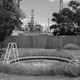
[(48, 24), (61, 5), (45, 27)]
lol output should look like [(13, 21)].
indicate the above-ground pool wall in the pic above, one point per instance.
[(47, 42)]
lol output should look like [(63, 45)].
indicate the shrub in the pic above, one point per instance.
[(72, 47)]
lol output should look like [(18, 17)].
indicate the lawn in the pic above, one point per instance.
[(59, 68), (17, 77), (69, 54)]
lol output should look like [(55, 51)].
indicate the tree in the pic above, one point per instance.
[(67, 20), (18, 11), (8, 18)]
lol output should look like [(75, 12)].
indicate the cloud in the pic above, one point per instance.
[(51, 0), (65, 1), (24, 21)]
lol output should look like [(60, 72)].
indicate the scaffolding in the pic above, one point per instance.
[(31, 23)]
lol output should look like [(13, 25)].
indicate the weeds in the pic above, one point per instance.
[(51, 69), (55, 69), (62, 54)]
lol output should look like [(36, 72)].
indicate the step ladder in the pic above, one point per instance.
[(11, 49)]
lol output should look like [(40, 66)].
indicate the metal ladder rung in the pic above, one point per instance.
[(11, 47)]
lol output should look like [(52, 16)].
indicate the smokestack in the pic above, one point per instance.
[(48, 26), (61, 5)]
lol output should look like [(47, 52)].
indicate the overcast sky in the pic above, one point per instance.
[(43, 9)]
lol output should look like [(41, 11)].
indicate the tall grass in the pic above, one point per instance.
[(55, 53), (47, 69), (43, 52), (50, 69)]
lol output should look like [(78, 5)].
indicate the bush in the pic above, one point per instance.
[(72, 47)]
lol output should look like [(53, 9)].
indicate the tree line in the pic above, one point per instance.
[(10, 14), (67, 20)]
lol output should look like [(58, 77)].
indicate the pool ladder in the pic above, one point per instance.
[(12, 47)]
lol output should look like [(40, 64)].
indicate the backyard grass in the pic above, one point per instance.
[(41, 69), (64, 53), (19, 77), (69, 54), (51, 69)]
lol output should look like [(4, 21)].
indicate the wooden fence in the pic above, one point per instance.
[(47, 42)]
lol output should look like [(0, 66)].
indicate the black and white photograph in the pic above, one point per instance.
[(39, 39)]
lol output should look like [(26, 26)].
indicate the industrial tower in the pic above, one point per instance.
[(32, 17), (31, 23), (61, 5)]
